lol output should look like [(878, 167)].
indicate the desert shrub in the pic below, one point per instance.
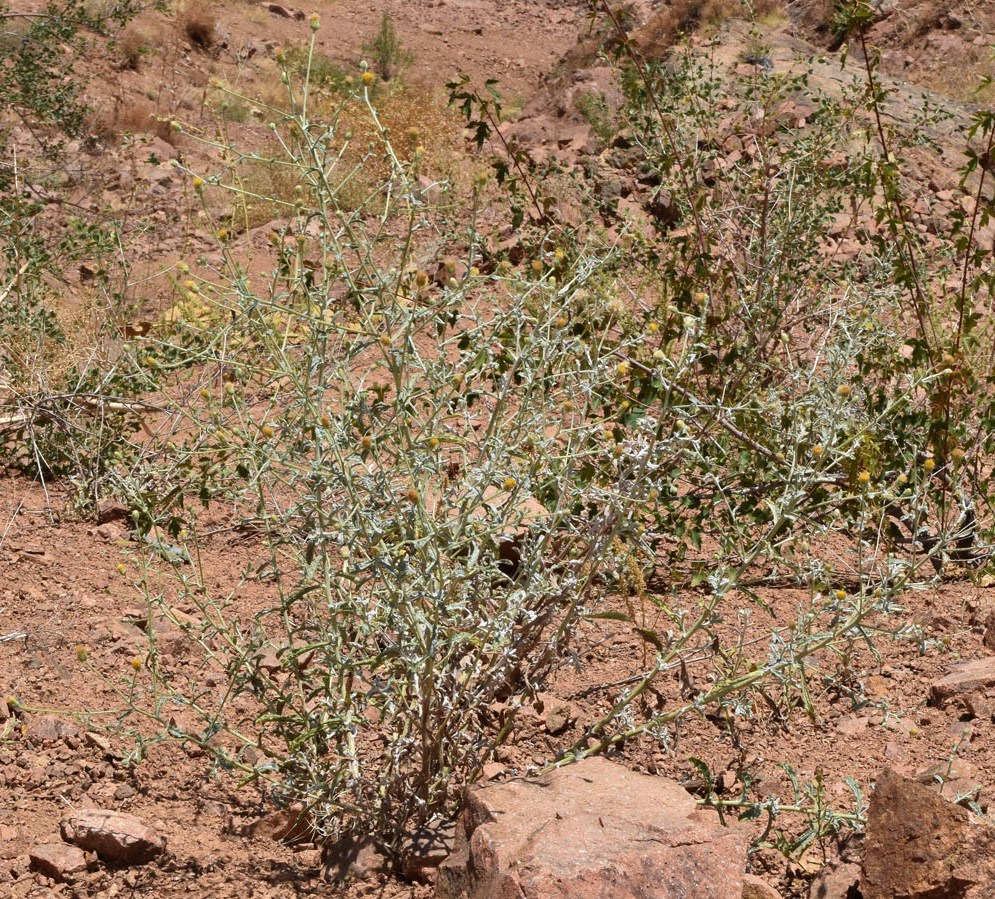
[(395, 446), (389, 58), (67, 406), (452, 471)]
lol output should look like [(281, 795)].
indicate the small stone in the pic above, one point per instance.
[(839, 880), (110, 532), (49, 729), (876, 687), (58, 861), (851, 726), (353, 857), (286, 825), (757, 888), (111, 510), (116, 837), (967, 677), (559, 716)]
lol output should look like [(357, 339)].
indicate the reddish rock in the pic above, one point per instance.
[(593, 829), (57, 860), (287, 825), (117, 838), (357, 858), (757, 888), (967, 677), (840, 880), (920, 846), (989, 625), (52, 729), (424, 850)]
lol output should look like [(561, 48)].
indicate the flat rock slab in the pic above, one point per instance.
[(52, 729), (58, 861), (968, 677), (592, 830), (920, 846), (117, 838)]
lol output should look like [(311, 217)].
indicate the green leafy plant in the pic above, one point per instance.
[(387, 53)]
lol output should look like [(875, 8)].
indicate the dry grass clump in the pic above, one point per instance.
[(418, 121), (197, 22), (680, 17), (130, 115), (132, 44)]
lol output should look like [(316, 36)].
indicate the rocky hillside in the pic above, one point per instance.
[(774, 229)]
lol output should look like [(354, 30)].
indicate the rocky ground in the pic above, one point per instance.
[(927, 709)]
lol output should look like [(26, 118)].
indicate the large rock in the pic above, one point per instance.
[(116, 838), (593, 829), (920, 846)]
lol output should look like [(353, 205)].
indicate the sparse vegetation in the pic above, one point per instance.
[(388, 56), (597, 113), (459, 455)]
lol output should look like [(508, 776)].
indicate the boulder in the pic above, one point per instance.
[(593, 829), (920, 846)]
